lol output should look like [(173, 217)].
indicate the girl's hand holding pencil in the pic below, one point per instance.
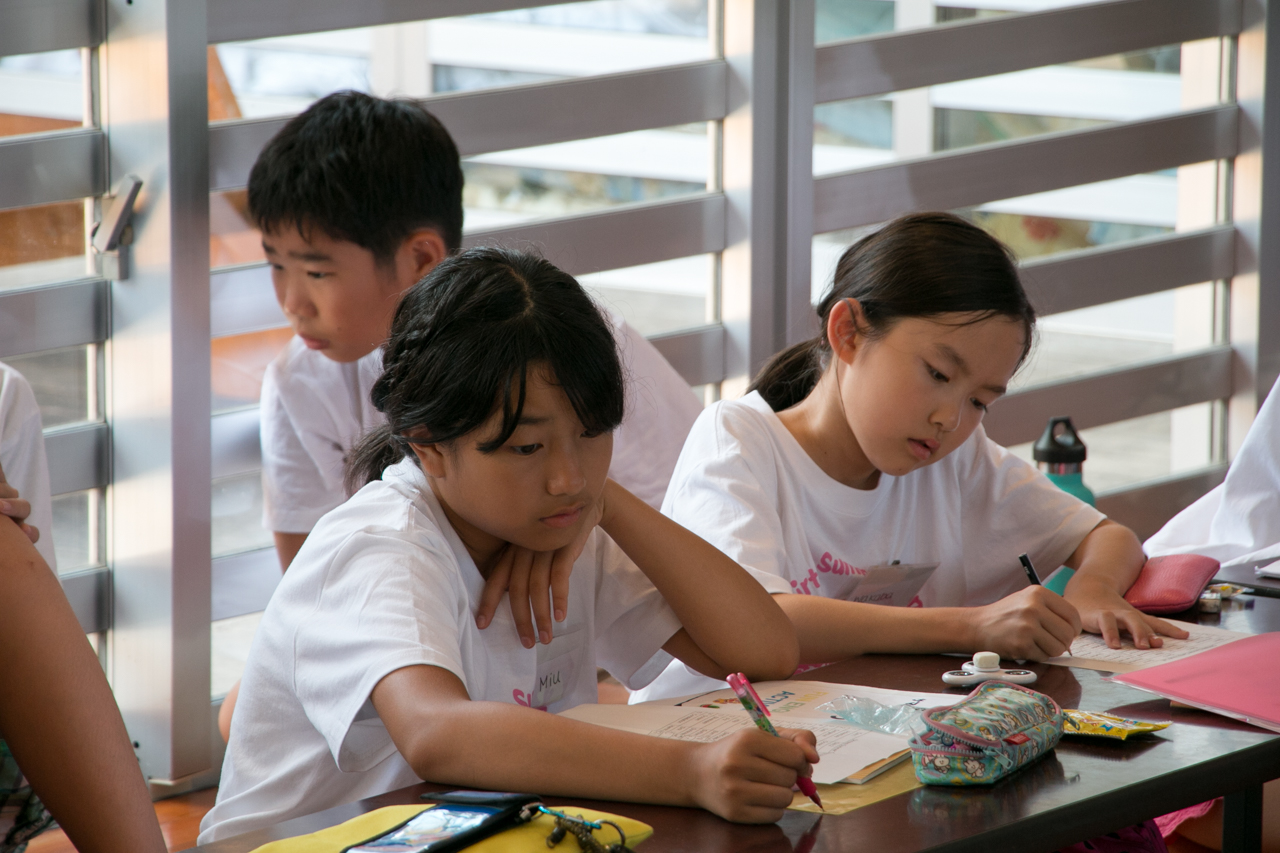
[(747, 776)]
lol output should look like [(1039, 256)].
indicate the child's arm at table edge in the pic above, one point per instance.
[(1031, 624), (731, 624), (447, 738), (1107, 562)]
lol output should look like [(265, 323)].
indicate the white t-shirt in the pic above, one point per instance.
[(383, 582), (314, 411), (1238, 521), (22, 455), (746, 485)]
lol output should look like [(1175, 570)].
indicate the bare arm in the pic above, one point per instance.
[(287, 547), (1107, 562), (58, 715), (447, 738), (1031, 624), (731, 622)]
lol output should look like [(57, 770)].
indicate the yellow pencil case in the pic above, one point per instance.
[(520, 839)]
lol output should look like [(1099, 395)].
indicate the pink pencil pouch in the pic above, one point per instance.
[(1171, 584)]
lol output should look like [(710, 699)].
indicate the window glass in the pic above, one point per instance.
[(658, 298), (64, 382), (42, 244), (237, 515), (1073, 96), (229, 643), (40, 92), (238, 364), (77, 526), (1126, 453), (232, 240), (280, 76), (507, 187), (837, 20)]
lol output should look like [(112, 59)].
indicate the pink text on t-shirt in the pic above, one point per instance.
[(526, 700), (836, 566), (802, 586)]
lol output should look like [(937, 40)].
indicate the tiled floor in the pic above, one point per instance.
[(179, 821)]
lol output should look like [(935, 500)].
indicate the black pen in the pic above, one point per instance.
[(1033, 577), (1030, 570)]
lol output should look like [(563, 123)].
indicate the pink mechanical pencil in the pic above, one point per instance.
[(760, 716)]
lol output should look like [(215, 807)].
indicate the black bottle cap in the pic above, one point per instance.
[(1063, 448)]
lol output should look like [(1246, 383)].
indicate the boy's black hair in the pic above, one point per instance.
[(361, 169), (462, 345)]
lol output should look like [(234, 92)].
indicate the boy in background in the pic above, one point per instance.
[(358, 198)]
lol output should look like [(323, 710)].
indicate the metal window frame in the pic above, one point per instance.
[(154, 110), (516, 116), (239, 20), (43, 168), (36, 26), (1113, 395), (964, 50), (53, 316), (1088, 277), (986, 173), (762, 90)]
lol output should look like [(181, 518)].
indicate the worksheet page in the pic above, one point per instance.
[(1089, 651), (844, 749)]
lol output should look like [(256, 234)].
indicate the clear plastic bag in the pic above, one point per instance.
[(873, 716)]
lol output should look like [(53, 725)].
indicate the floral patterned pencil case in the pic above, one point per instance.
[(995, 730)]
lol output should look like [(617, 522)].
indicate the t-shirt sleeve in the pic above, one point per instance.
[(1239, 520), (22, 455), (381, 608), (660, 409), (632, 619), (724, 494), (1010, 508), (302, 461)]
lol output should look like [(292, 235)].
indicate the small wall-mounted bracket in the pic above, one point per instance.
[(113, 235)]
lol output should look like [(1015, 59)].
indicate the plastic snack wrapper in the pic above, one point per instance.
[(1097, 724), (874, 716)]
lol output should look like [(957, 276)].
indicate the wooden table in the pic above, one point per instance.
[(1083, 789)]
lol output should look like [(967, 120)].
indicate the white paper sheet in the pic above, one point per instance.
[(844, 749), (1090, 652), (784, 698)]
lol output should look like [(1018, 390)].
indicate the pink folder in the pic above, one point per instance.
[(1234, 680)]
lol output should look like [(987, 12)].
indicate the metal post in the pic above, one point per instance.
[(1255, 290), (755, 163), (802, 323), (155, 112)]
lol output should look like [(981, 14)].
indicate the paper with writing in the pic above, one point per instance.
[(1089, 651), (845, 750)]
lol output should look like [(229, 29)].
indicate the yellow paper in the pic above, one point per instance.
[(839, 799), (520, 839)]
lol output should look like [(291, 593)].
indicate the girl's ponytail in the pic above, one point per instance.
[(923, 265), (377, 451), (788, 377)]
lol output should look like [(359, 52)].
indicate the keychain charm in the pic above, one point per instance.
[(580, 828)]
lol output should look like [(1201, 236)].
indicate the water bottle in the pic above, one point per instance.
[(1060, 454)]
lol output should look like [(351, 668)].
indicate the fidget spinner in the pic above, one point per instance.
[(985, 666)]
